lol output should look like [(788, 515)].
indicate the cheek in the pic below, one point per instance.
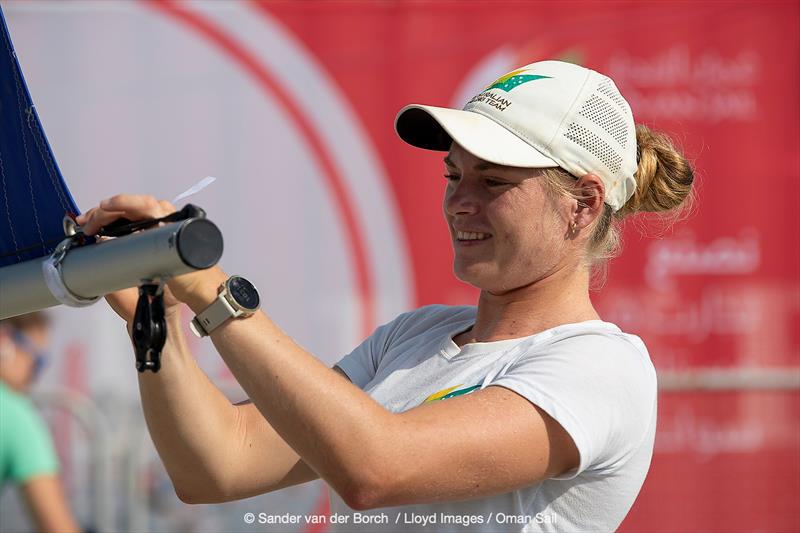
[(535, 244), (445, 199)]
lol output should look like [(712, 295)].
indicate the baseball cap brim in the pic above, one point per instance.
[(434, 128)]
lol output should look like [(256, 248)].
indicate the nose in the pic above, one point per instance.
[(461, 198)]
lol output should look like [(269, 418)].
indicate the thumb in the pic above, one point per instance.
[(124, 302)]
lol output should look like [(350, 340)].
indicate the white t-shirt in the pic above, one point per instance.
[(595, 380)]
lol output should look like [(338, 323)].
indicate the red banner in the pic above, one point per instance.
[(720, 290)]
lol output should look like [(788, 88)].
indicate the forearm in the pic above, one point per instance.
[(48, 506), (323, 417), (189, 419), (212, 450), (335, 427)]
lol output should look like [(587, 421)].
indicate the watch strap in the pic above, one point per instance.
[(213, 316)]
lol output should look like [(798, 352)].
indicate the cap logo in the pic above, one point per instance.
[(514, 79), (505, 83)]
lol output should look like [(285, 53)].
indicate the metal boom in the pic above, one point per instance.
[(97, 269)]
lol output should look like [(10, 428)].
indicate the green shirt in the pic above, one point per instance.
[(26, 449)]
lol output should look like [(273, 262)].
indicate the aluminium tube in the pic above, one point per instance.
[(104, 267)]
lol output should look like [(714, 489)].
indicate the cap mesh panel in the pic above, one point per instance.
[(595, 146), (607, 117), (609, 90)]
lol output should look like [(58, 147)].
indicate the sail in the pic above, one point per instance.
[(34, 200), (33, 195)]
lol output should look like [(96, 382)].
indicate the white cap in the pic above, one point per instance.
[(546, 114)]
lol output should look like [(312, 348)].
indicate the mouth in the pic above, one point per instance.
[(466, 237)]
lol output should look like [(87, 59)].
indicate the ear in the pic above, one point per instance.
[(592, 192)]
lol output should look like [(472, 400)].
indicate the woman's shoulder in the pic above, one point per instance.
[(595, 331), (603, 347), (429, 320), (438, 314), (445, 312)]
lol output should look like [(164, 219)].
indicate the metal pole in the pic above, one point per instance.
[(736, 379), (101, 268)]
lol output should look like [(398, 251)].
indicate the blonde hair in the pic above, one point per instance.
[(663, 185)]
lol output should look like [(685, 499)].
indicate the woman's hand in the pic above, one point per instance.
[(195, 286)]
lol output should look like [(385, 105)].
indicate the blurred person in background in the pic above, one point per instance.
[(527, 406), (27, 456)]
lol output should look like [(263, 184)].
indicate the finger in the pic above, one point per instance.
[(99, 218), (167, 207), (85, 216), (130, 206), (135, 206)]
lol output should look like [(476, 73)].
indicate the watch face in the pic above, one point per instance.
[(244, 293)]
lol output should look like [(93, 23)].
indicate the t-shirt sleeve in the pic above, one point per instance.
[(601, 390), (30, 449), (361, 364)]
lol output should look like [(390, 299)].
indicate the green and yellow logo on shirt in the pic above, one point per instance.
[(450, 392)]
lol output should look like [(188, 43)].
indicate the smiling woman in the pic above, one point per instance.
[(498, 247), (528, 405)]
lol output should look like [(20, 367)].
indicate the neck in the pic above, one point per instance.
[(560, 298)]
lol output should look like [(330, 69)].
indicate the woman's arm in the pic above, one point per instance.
[(213, 451), (487, 442)]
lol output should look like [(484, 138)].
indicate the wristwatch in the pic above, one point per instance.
[(238, 298)]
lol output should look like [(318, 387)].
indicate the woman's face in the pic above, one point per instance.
[(507, 232)]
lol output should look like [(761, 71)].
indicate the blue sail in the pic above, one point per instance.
[(33, 195)]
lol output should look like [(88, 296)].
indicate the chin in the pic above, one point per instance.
[(489, 280), (478, 277)]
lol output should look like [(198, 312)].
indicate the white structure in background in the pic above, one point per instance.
[(135, 101)]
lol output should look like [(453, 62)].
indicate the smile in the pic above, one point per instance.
[(471, 236)]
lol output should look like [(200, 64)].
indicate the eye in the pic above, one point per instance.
[(451, 177), (491, 182)]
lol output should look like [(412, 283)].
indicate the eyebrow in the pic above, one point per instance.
[(485, 165)]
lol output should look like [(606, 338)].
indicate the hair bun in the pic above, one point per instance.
[(664, 177)]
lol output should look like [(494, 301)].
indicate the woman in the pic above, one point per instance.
[(549, 413)]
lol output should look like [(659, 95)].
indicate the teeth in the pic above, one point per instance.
[(471, 236)]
